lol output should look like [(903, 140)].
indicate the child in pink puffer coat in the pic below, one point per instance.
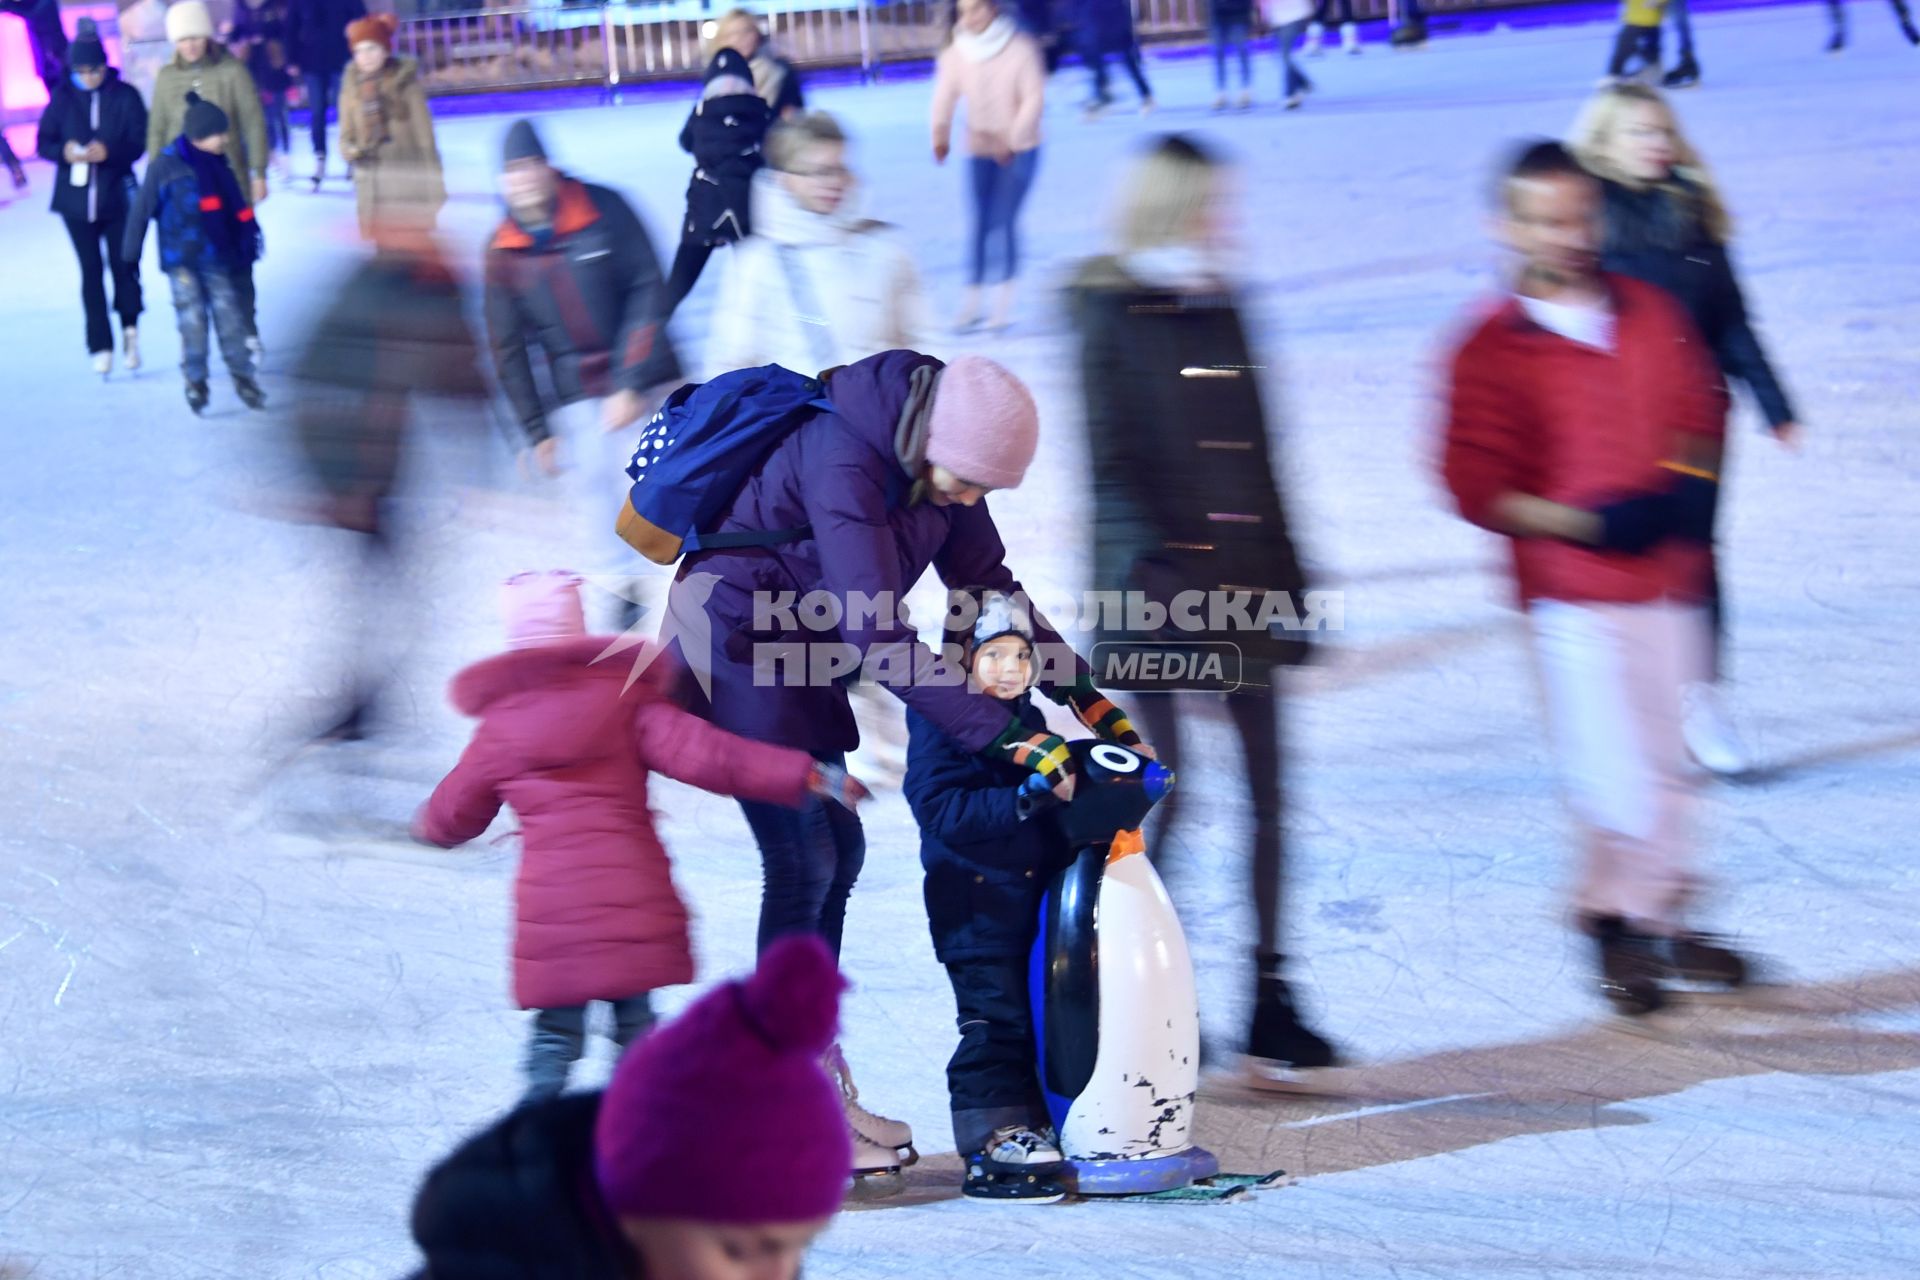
[(568, 744)]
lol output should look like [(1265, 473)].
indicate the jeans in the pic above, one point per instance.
[(1635, 45), (86, 238), (1256, 719), (279, 124), (1232, 34), (198, 291), (560, 1037), (809, 859), (1130, 58), (993, 1078), (1293, 80), (322, 90), (998, 192)]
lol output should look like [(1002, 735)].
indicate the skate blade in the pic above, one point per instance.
[(1268, 1077), (908, 1156)]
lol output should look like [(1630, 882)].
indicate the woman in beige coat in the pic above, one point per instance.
[(386, 131)]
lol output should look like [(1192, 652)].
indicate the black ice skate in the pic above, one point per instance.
[(986, 1181), (1837, 43), (1282, 1049), (197, 395), (250, 393), (1684, 76), (1410, 34), (1631, 966)]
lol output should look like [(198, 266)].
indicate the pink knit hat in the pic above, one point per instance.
[(542, 607), (984, 426), (725, 1114)]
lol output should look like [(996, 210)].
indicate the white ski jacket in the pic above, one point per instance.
[(811, 291)]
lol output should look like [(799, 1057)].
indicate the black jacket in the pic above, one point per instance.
[(317, 33), (588, 297), (1184, 493), (518, 1202), (112, 114), (988, 853), (269, 51), (1657, 236), (724, 136)]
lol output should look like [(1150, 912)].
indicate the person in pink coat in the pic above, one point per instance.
[(568, 740)]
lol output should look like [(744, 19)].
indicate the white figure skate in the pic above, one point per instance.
[(894, 1138)]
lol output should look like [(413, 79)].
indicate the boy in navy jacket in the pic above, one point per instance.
[(990, 844)]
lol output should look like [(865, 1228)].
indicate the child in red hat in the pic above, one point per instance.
[(568, 740)]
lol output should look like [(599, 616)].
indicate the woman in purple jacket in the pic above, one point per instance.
[(871, 494)]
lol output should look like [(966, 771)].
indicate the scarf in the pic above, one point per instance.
[(226, 221), (978, 48), (373, 109), (910, 436)]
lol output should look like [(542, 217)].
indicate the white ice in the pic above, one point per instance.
[(226, 1050)]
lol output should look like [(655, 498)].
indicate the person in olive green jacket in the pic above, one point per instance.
[(202, 65)]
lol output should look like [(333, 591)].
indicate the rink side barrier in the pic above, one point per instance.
[(540, 46)]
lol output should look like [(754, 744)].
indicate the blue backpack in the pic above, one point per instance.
[(696, 453)]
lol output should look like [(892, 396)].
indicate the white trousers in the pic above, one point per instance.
[(1611, 676)]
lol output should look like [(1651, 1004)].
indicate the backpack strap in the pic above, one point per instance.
[(748, 538)]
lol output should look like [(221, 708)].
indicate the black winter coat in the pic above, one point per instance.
[(1103, 26), (1184, 492), (269, 49), (112, 114), (988, 854), (1657, 236), (518, 1201), (588, 298), (317, 33), (724, 136)]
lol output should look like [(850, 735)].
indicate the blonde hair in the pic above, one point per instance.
[(786, 140), (1592, 142), (727, 19), (1167, 189)]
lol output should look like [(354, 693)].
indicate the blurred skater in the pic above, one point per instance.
[(317, 40), (46, 38), (1636, 46), (208, 242), (1584, 424), (1230, 28), (201, 66), (994, 69), (259, 35), (386, 130), (1686, 72), (716, 1153), (774, 78), (815, 285), (1664, 222), (393, 337), (1411, 32), (1287, 19), (990, 845), (724, 135), (94, 129), (1323, 17), (11, 162), (568, 740), (1185, 499), (1837, 15), (572, 278), (1104, 28)]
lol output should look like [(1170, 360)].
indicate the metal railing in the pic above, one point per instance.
[(542, 44)]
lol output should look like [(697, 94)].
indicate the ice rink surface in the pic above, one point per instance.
[(228, 1049)]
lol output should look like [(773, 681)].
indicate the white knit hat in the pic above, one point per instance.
[(187, 19)]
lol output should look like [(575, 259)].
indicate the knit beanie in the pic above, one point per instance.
[(187, 19), (86, 50), (542, 608), (522, 143), (725, 1114), (375, 28), (203, 118), (984, 427)]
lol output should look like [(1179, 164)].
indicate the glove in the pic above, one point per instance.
[(1034, 796), (1100, 715), (831, 782), (1695, 494), (1631, 525)]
